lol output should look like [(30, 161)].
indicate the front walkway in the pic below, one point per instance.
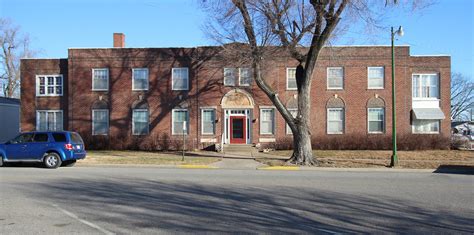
[(237, 163)]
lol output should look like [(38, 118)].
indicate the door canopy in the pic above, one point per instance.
[(237, 98)]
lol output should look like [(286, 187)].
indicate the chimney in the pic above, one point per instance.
[(119, 40)]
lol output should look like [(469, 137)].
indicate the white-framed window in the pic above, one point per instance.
[(291, 79), (245, 76), (140, 124), (376, 120), (293, 112), (230, 75), (425, 86), (49, 120), (335, 78), (267, 121), (335, 121), (100, 79), (375, 77), (49, 85), (425, 126), (139, 79), (100, 122), (179, 116), (208, 124), (180, 79)]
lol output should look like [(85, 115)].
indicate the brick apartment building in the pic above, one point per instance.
[(117, 96)]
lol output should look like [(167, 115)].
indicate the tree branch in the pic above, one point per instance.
[(256, 60)]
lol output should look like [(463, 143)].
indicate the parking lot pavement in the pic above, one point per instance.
[(96, 200)]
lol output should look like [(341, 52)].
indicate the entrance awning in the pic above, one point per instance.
[(429, 113)]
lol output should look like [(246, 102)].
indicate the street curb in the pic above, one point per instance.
[(183, 166), (367, 169), (127, 165), (196, 167), (280, 168)]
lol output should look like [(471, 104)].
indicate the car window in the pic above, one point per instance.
[(59, 137), (76, 138), (41, 137), (23, 138)]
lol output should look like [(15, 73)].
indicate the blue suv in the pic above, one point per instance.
[(53, 149)]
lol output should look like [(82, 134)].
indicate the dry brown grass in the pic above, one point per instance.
[(369, 158), (143, 158)]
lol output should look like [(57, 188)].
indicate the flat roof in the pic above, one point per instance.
[(434, 55), (79, 48), (11, 101), (44, 58), (131, 48)]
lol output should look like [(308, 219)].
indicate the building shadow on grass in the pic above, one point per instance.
[(145, 206)]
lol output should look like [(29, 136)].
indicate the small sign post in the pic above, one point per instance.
[(184, 138)]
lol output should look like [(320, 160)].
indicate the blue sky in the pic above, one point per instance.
[(55, 25)]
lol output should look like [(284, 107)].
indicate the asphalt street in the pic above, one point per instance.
[(121, 200)]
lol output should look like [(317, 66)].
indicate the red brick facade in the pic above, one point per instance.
[(206, 89)]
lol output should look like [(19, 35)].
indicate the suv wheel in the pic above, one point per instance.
[(52, 160)]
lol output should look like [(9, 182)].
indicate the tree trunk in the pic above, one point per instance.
[(302, 152)]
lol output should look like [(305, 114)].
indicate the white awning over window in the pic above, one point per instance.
[(429, 113)]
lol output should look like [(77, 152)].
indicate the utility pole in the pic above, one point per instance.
[(394, 159)]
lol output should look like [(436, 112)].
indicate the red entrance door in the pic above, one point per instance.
[(237, 130)]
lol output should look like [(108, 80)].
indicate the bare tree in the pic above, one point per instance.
[(462, 96), (14, 46), (298, 28)]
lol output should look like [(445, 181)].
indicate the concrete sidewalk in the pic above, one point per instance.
[(234, 160), (237, 163)]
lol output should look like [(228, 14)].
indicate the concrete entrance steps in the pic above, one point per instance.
[(237, 147), (239, 151)]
